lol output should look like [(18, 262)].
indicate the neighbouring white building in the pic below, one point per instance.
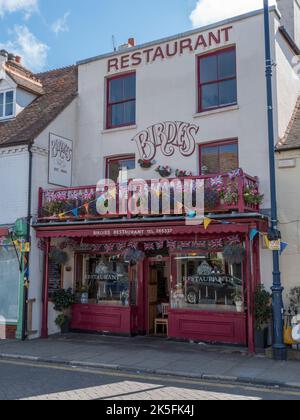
[(193, 102)]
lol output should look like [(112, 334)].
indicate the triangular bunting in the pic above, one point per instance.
[(207, 222)]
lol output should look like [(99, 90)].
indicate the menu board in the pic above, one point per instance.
[(55, 278)]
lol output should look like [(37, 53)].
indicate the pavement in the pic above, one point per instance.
[(155, 356)]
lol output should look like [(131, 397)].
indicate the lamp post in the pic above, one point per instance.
[(279, 349)]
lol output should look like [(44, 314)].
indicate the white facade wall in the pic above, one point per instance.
[(13, 184), (64, 125), (289, 216)]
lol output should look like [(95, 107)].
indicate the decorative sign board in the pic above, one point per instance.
[(55, 278), (60, 161)]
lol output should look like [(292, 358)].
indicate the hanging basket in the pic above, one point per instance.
[(234, 254), (58, 256)]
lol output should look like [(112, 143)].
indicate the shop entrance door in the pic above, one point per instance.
[(158, 295)]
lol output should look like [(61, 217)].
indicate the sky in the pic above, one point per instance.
[(50, 34)]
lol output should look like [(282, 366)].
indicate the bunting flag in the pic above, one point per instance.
[(16, 243), (283, 247), (253, 234), (61, 215), (86, 206), (192, 214), (207, 222), (75, 212), (267, 242)]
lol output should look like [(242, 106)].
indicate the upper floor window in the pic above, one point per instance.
[(217, 80), (7, 104), (121, 101), (118, 169), (219, 158)]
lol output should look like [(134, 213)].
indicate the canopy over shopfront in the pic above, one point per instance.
[(183, 267)]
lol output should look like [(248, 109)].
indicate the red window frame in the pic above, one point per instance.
[(109, 104), (219, 80), (217, 143), (115, 159)]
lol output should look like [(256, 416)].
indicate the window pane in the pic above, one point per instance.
[(227, 64), (129, 112), (210, 160), (1, 104), (118, 168), (117, 115), (205, 282), (9, 97), (228, 158), (129, 87), (210, 96), (208, 69), (9, 110), (116, 90), (9, 104), (107, 280), (228, 92)]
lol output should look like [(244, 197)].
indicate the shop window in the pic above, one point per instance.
[(6, 104), (106, 281), (121, 101), (9, 284), (205, 282), (119, 169), (217, 80), (219, 158)]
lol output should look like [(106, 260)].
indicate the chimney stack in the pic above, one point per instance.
[(3, 57), (18, 59)]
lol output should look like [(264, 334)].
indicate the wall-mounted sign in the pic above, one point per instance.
[(170, 49), (60, 161), (168, 137)]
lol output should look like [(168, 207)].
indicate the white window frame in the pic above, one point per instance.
[(8, 117)]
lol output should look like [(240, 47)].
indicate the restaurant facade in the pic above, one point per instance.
[(156, 125)]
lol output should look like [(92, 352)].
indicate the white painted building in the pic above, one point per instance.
[(128, 109)]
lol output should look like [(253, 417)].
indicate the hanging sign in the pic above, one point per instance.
[(60, 161), (275, 245)]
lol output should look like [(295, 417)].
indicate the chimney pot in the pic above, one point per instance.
[(18, 59), (131, 42)]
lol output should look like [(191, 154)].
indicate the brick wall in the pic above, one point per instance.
[(8, 332)]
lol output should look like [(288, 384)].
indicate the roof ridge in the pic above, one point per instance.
[(69, 67)]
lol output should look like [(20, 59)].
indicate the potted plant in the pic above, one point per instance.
[(84, 295), (252, 195), (58, 256), (180, 173), (63, 300), (234, 253), (164, 171), (238, 300), (145, 164), (262, 315)]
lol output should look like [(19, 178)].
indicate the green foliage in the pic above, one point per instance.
[(61, 320), (63, 299), (262, 307)]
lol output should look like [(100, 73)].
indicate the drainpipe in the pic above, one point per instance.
[(279, 349), (22, 332)]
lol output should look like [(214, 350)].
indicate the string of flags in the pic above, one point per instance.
[(274, 245), (21, 246)]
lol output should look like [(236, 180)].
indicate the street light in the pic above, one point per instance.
[(279, 349)]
